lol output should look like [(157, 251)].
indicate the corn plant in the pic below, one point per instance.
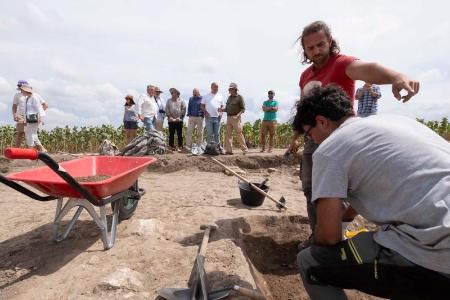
[(87, 139)]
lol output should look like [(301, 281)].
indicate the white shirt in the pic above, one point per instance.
[(33, 105), (212, 102), (161, 104), (147, 106), (20, 100)]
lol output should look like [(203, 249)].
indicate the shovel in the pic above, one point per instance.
[(185, 294), (280, 203)]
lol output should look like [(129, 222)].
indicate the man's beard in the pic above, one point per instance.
[(319, 59)]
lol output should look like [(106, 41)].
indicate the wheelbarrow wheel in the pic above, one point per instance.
[(127, 205)]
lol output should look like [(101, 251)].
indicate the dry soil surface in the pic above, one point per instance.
[(253, 247)]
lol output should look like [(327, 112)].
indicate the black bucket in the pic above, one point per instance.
[(250, 196)]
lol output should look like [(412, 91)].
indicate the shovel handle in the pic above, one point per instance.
[(251, 184), (205, 241)]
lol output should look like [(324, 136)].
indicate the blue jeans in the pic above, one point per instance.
[(212, 125), (148, 123)]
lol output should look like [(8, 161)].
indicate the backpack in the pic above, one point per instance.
[(212, 148)]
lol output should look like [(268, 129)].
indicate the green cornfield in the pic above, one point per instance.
[(88, 139)]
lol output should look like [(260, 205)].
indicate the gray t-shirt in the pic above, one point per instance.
[(395, 172)]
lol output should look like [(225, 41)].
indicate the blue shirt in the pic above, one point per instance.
[(368, 103), (194, 107)]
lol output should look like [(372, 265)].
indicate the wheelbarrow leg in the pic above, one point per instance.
[(60, 213), (108, 238)]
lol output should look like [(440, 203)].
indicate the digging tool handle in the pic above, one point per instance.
[(200, 256), (251, 184), (249, 293), (205, 240)]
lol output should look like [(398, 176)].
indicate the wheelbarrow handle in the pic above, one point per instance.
[(20, 153)]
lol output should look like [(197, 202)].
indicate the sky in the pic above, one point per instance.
[(83, 56)]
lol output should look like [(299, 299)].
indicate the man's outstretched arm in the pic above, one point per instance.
[(379, 74)]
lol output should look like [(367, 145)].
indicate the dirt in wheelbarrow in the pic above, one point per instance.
[(93, 178), (157, 246)]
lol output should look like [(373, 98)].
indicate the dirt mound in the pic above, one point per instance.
[(253, 161)]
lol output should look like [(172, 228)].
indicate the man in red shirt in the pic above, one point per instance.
[(331, 67)]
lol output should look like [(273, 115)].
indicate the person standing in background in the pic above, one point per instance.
[(18, 111), (130, 119), (34, 114), (212, 105), (195, 120), (161, 114), (175, 110), (147, 108), (234, 108), (269, 123), (367, 97)]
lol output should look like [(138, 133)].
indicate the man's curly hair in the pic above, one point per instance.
[(330, 101), (313, 28)]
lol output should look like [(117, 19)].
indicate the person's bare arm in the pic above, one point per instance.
[(14, 111), (328, 229), (379, 74)]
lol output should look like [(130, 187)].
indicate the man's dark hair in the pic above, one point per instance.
[(313, 28), (330, 101)]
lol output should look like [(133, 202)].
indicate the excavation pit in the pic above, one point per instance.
[(270, 244)]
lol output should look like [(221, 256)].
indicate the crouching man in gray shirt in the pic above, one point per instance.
[(394, 172)]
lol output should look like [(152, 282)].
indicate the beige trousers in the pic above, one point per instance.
[(194, 122), (267, 127), (234, 124)]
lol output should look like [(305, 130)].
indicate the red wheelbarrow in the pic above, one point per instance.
[(119, 187)]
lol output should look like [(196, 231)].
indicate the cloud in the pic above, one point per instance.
[(432, 75), (3, 107), (5, 87), (37, 14), (8, 23), (64, 69)]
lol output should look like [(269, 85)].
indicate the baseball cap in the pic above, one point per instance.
[(233, 86)]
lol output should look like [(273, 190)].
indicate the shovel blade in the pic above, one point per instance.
[(218, 295), (185, 294), (175, 293), (282, 201)]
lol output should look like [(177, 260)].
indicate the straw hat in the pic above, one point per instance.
[(26, 88)]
